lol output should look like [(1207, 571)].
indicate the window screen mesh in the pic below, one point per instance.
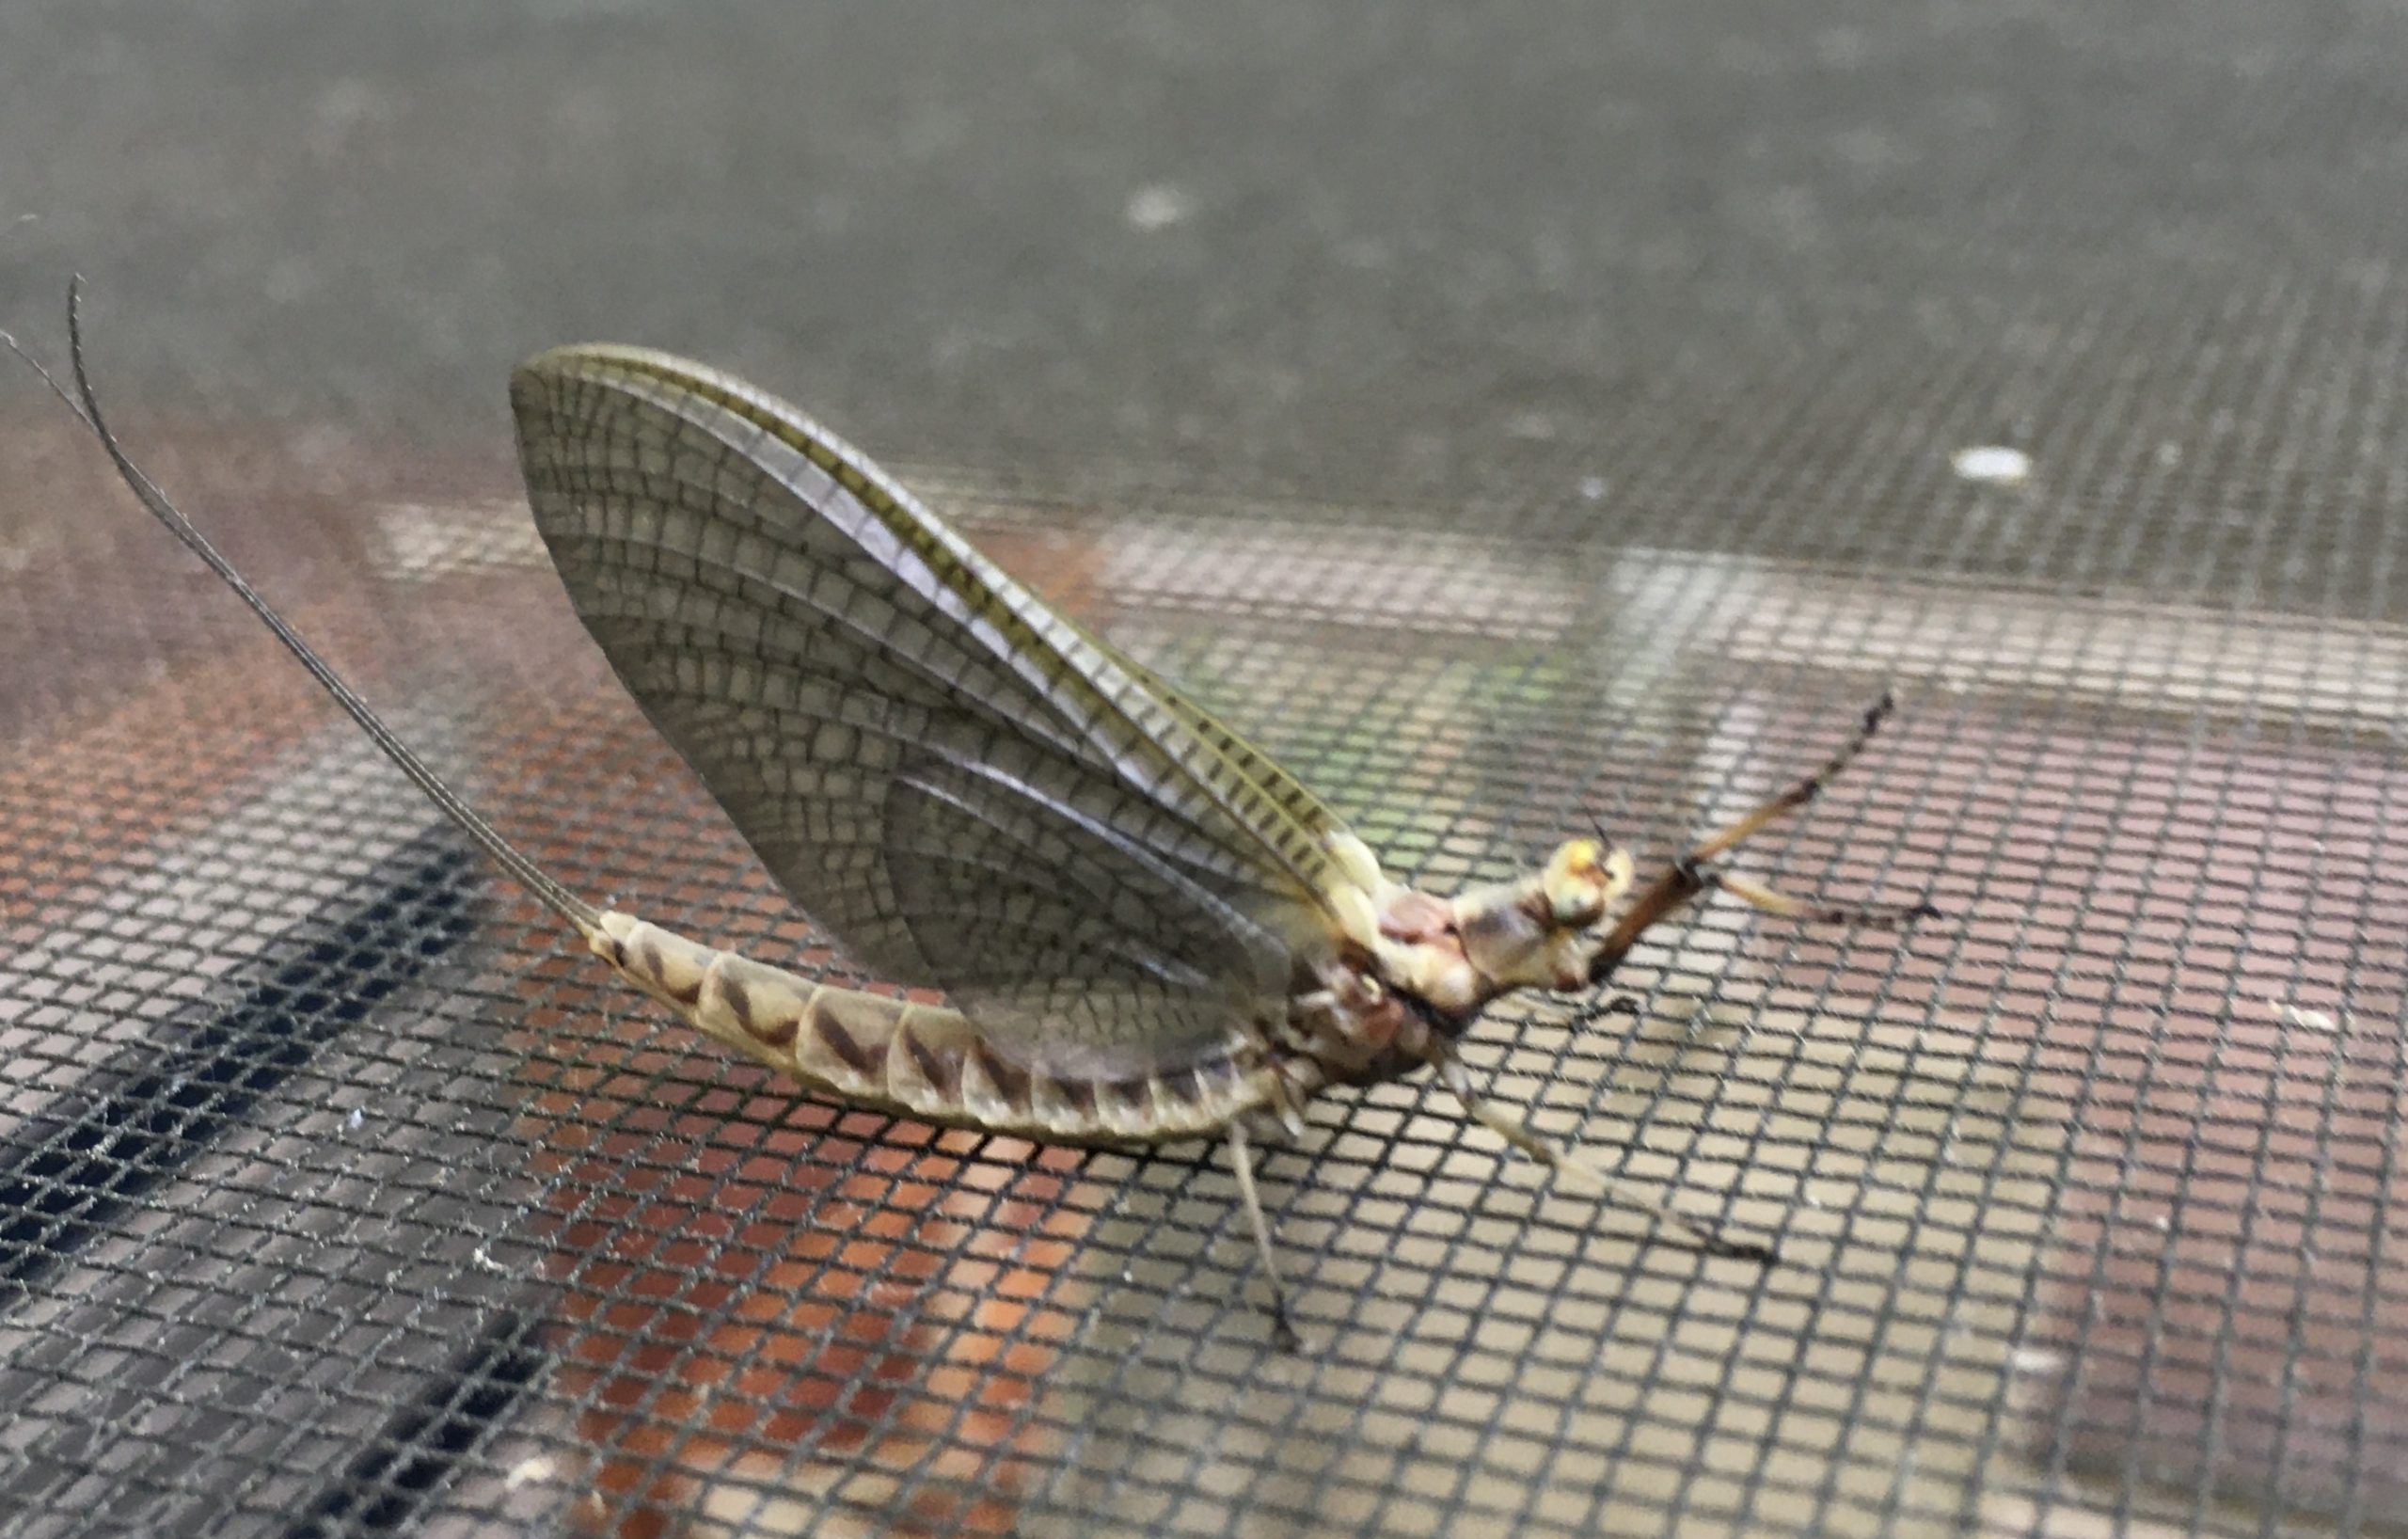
[(338, 1195)]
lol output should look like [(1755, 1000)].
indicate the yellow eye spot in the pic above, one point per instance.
[(1576, 883)]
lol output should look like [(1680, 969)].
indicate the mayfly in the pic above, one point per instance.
[(1146, 930)]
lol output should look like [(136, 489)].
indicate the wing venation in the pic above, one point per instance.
[(964, 787)]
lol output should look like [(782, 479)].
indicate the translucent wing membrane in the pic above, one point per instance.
[(962, 786), (1051, 924), (1290, 802)]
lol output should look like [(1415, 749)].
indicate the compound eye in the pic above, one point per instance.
[(1578, 884)]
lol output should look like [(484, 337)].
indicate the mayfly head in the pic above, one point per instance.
[(1540, 931), (1565, 927), (1581, 881)]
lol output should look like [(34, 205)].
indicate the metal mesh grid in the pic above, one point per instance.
[(345, 1199), (1535, 418)]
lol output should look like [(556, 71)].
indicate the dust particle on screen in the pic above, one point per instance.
[(529, 1471), (2292, 1015), (1991, 464)]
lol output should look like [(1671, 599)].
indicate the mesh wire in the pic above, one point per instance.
[(342, 1197)]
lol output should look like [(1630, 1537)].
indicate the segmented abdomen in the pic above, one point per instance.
[(923, 1060)]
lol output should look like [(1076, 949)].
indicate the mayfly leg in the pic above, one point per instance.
[(1747, 825), (1757, 895), (1694, 872), (1457, 1079), (1283, 1334)]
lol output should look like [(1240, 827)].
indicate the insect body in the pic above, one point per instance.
[(1146, 929)]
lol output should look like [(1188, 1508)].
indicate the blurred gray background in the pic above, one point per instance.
[(1371, 248)]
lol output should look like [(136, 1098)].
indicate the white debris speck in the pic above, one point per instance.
[(2292, 1015), (529, 1471), (2032, 1360), (1991, 464), (482, 1259), (1159, 206), (2164, 1224), (357, 1120), (1594, 488), (2169, 453)]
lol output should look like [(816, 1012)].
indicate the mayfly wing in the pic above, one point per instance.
[(963, 787), (1290, 798)]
